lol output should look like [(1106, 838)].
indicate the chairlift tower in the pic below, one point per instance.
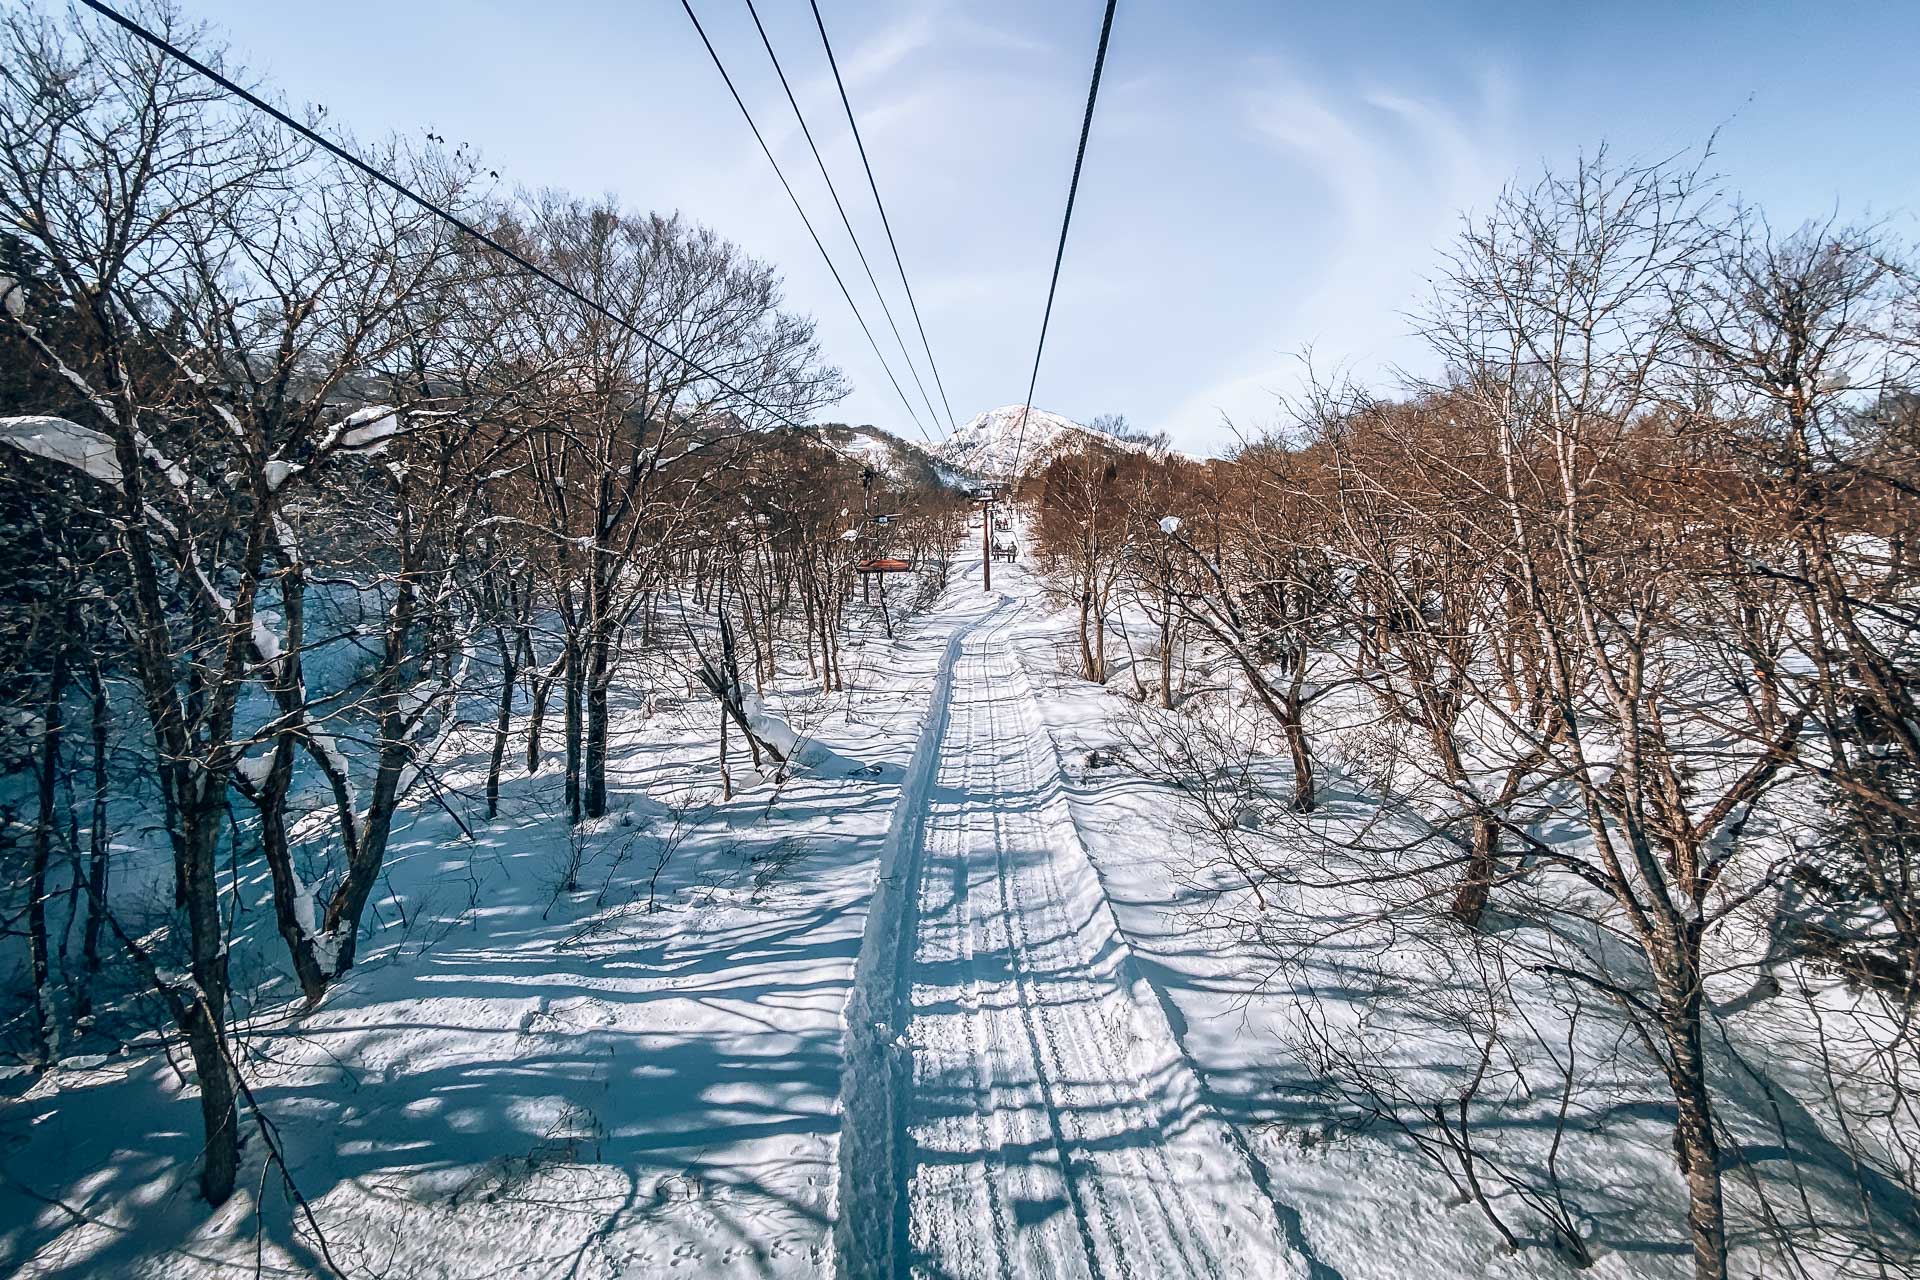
[(986, 498)]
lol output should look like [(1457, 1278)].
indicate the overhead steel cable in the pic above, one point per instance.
[(394, 184), (846, 222), (800, 209), (1086, 125), (880, 204)]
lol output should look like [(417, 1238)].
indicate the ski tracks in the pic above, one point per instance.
[(1044, 1120)]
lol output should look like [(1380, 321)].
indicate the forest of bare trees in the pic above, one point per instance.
[(1592, 666), (1547, 729), (299, 481)]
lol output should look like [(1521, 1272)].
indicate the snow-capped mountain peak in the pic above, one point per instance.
[(986, 444)]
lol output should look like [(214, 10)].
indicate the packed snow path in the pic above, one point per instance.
[(1051, 1125)]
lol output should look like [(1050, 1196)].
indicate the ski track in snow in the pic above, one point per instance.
[(1051, 1125), (602, 1094)]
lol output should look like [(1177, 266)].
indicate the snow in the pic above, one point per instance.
[(873, 1090), (514, 1083), (13, 296), (877, 452), (266, 640), (769, 728), (1026, 1002), (985, 444), (58, 440), (879, 449), (255, 768), (369, 427), (87, 450), (980, 1023)]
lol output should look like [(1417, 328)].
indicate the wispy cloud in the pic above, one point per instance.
[(1395, 170)]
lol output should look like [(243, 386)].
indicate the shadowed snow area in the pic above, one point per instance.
[(944, 1004), (520, 1081)]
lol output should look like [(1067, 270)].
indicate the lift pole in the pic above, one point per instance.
[(986, 546), (866, 541)]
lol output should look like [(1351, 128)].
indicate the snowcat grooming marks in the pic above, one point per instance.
[(1047, 1121)]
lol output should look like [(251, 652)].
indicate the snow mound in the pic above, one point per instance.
[(770, 728)]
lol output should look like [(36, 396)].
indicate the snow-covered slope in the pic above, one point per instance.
[(987, 443), (896, 456)]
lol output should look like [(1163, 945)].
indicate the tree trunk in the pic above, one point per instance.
[(45, 1023), (599, 676), (503, 718), (1286, 712), (191, 788), (575, 726), (350, 900), (830, 636), (294, 930), (1088, 671), (220, 1159), (96, 851), (807, 612), (1304, 786), (204, 1022), (828, 620), (537, 713), (395, 756), (598, 640), (296, 926), (1100, 634), (1470, 900), (1695, 1145), (1166, 655), (1304, 798)]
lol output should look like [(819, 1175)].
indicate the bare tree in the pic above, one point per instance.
[(621, 408)]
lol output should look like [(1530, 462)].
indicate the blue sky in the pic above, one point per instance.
[(1263, 178)]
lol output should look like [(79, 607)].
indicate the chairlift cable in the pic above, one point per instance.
[(885, 222), (334, 149), (779, 173), (845, 221), (1073, 188)]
